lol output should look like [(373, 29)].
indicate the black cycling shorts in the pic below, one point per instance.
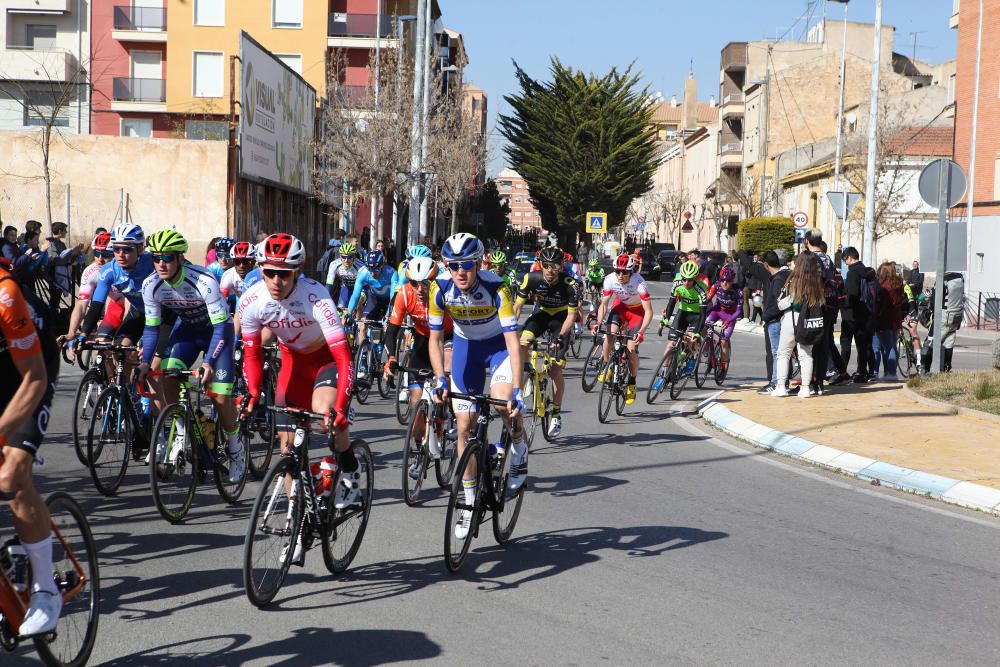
[(540, 322), (683, 321), (31, 433)]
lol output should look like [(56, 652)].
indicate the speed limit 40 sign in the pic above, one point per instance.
[(800, 219)]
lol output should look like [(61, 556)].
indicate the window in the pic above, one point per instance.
[(42, 107), (137, 127), (210, 12), (208, 79), (517, 214), (293, 60), (979, 261), (518, 186), (40, 36), (206, 130), (286, 13), (517, 200)]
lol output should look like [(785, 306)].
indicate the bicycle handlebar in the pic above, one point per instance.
[(421, 373), (478, 400), (303, 415)]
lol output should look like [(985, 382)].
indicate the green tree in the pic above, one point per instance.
[(583, 143)]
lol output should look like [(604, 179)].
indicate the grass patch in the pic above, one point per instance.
[(979, 390)]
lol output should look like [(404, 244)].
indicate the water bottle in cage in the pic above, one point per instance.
[(14, 561), (323, 473)]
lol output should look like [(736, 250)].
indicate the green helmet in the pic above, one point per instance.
[(593, 262), (689, 270), (497, 257), (348, 249), (167, 240)]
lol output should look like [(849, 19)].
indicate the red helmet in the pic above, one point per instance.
[(101, 241), (281, 250), (241, 250), (624, 262)]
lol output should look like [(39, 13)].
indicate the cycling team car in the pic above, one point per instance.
[(625, 303)]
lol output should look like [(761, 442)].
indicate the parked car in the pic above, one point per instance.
[(668, 262), (650, 268), (657, 248)]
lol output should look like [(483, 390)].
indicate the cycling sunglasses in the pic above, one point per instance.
[(551, 266), (466, 265), (104, 254), (166, 257), (622, 272), (124, 249), (277, 273), (243, 261)]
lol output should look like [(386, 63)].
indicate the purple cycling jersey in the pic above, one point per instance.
[(728, 303)]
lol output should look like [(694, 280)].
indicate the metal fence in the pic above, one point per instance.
[(982, 310)]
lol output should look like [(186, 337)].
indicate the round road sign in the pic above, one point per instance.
[(800, 219)]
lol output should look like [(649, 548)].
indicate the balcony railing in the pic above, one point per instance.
[(128, 89), (736, 147), (735, 98), (360, 25), (141, 19)]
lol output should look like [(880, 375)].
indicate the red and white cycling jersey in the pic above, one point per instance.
[(631, 294), (88, 281), (231, 283)]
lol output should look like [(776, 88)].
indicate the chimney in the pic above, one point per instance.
[(689, 111), (673, 101), (711, 101)]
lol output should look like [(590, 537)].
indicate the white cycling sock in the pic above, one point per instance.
[(469, 486), (40, 557), (520, 447)]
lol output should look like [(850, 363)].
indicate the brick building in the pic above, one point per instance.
[(514, 190)]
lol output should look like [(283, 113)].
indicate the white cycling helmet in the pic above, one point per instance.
[(419, 269), (127, 233), (463, 246)]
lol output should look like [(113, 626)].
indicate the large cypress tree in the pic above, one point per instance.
[(583, 143)]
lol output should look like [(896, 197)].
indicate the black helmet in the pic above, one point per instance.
[(551, 255)]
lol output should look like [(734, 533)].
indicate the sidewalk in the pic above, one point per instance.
[(875, 432)]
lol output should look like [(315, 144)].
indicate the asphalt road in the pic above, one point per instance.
[(646, 541)]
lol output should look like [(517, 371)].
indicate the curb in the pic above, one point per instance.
[(954, 409), (954, 491)]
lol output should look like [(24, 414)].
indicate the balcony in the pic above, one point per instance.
[(953, 21), (24, 63), (734, 56), (732, 105), (38, 6), (360, 31), (140, 24), (353, 97), (731, 155), (130, 94)]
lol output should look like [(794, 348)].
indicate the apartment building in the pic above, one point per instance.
[(514, 191), (45, 65)]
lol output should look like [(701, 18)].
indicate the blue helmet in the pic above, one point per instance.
[(127, 233), (223, 246), (418, 251), (375, 259), (462, 246)]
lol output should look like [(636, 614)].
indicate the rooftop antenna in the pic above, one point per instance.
[(914, 34), (691, 68)]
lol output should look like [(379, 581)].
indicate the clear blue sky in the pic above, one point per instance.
[(661, 36)]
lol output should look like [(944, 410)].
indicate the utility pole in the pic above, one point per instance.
[(868, 249), (425, 112), (767, 117), (844, 227), (416, 132), (378, 53), (972, 150)]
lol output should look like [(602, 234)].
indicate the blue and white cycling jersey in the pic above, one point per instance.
[(378, 289), (216, 269), (129, 283), (484, 312), (251, 279)]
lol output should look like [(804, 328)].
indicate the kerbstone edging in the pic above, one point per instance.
[(954, 409), (956, 492)]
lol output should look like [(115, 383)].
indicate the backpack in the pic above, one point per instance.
[(868, 293), (808, 326)]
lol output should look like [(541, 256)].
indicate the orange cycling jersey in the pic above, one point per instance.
[(408, 303), (18, 336)]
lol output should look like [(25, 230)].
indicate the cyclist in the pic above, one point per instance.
[(726, 305), (691, 301), (595, 278), (411, 301), (343, 274), (88, 281), (555, 297), (485, 345), (631, 310), (315, 360), (223, 261), (418, 250), (375, 281), (233, 282), (202, 325), (27, 352)]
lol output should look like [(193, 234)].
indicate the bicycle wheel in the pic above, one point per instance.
[(679, 375), (508, 508), (261, 429), (272, 532), (457, 548), (592, 367), (621, 387), (905, 359), (108, 441), (76, 573), (83, 411), (230, 491), (705, 363), (547, 405), (363, 386), (661, 378), (345, 528), (173, 464), (378, 351), (722, 361), (444, 467), (415, 457), (606, 397), (576, 341), (533, 407), (404, 409)]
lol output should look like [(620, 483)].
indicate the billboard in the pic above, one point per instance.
[(277, 118)]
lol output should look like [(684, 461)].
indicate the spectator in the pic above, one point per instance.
[(778, 274), (954, 309), (803, 290), (390, 252), (210, 254), (855, 317), (61, 260), (36, 259), (261, 236), (11, 249), (755, 283), (332, 251), (888, 320), (832, 291), (916, 279), (29, 226)]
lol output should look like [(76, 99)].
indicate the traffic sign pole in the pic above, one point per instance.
[(944, 184)]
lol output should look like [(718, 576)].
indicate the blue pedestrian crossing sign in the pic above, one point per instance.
[(597, 223)]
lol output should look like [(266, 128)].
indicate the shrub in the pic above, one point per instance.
[(763, 234)]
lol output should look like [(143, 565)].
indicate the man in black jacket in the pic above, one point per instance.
[(855, 317), (778, 273)]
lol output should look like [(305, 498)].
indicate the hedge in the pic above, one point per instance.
[(763, 234)]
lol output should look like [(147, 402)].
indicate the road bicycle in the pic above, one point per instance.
[(119, 429), (908, 363), (94, 380), (539, 396), (492, 465), (430, 437), (259, 424), (616, 375), (76, 576), (593, 364), (712, 357), (401, 382), (82, 356), (288, 507), (368, 362), (676, 367), (183, 453), (576, 340)]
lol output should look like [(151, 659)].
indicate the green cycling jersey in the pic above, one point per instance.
[(689, 299), (595, 275)]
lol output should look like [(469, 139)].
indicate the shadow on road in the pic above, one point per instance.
[(306, 647)]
